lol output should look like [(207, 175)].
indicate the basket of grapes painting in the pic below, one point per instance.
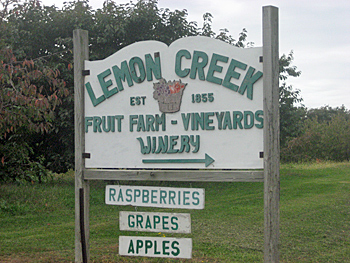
[(169, 95)]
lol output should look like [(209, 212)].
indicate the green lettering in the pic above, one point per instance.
[(237, 119), (195, 143), (174, 222), (132, 122), (145, 149), (107, 128), (198, 65), (227, 121), (213, 67), (149, 123), (153, 196), (181, 53), (122, 73), (145, 196), (106, 84), (148, 245), (97, 124), (148, 223), (131, 247), (259, 113), (173, 143), (128, 195), (195, 198), (160, 120), (88, 122), (119, 119), (112, 193), (185, 197), (172, 195), (162, 144), (137, 193), (231, 73), (165, 247), (248, 82), (220, 116), (185, 145), (141, 68), (92, 96), (165, 222), (131, 223), (141, 124), (198, 119), (248, 115), (139, 245), (156, 220), (185, 120), (155, 249), (162, 196), (139, 220), (120, 196), (208, 121), (153, 66), (176, 250)]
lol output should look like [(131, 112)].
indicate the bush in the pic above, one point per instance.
[(328, 140)]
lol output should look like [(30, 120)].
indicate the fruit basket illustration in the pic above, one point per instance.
[(169, 95)]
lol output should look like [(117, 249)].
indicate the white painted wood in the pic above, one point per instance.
[(155, 222), (175, 175), (81, 53), (148, 196), (271, 133), (232, 136), (160, 247)]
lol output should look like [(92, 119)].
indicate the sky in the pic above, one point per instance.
[(317, 31)]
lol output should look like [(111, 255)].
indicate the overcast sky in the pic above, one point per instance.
[(318, 32)]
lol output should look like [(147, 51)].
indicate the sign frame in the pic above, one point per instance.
[(269, 175)]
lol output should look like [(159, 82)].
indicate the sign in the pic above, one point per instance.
[(165, 197), (155, 222), (164, 247), (196, 104)]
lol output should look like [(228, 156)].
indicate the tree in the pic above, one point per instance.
[(321, 140), (327, 113), (25, 109), (292, 112), (110, 28)]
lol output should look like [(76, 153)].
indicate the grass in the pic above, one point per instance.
[(37, 221)]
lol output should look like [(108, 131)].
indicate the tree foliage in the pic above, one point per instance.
[(29, 95), (41, 39), (292, 111)]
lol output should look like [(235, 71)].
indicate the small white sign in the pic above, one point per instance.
[(165, 197), (155, 222), (155, 247)]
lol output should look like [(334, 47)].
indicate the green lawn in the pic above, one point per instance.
[(37, 221)]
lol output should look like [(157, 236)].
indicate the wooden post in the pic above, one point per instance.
[(271, 133), (81, 53)]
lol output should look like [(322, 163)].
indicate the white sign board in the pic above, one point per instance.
[(155, 222), (164, 247), (195, 104), (165, 197)]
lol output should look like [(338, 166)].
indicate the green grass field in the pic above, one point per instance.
[(37, 221)]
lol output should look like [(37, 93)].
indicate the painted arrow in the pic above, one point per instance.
[(207, 160)]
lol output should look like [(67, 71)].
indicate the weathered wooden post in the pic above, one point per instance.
[(81, 53), (271, 133)]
